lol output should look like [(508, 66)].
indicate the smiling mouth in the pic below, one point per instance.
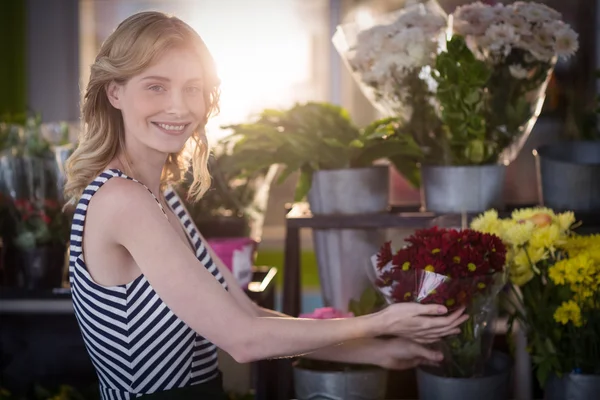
[(171, 128)]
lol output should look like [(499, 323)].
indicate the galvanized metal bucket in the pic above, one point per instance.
[(367, 384), (350, 191), (573, 387), (494, 385), (458, 189), (343, 255), (569, 175)]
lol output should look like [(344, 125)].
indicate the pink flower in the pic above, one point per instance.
[(327, 313)]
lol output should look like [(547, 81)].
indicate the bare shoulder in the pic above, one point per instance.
[(120, 197), (122, 204)]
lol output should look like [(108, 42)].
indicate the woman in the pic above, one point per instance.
[(152, 300)]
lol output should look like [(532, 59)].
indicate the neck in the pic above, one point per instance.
[(145, 165)]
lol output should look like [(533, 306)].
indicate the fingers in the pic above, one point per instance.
[(450, 322), (412, 363), (427, 354), (427, 309), (426, 340), (435, 335), (405, 364)]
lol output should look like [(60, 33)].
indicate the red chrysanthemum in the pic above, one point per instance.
[(385, 255)]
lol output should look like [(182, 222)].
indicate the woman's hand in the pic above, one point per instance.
[(402, 353), (421, 323)]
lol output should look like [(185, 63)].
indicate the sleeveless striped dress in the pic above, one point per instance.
[(136, 343)]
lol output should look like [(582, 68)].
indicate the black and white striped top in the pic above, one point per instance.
[(136, 343)]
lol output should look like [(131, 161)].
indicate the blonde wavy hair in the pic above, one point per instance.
[(136, 44)]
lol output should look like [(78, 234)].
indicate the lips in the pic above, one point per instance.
[(171, 128)]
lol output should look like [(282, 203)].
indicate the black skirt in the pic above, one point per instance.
[(211, 390)]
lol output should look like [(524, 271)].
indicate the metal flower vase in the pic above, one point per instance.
[(343, 255), (458, 189), (569, 175), (572, 387), (350, 384), (495, 384)]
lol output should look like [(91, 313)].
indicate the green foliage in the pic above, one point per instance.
[(461, 93), (229, 195), (476, 112), (311, 137), (370, 301)]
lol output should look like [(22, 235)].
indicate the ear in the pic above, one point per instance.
[(114, 93)]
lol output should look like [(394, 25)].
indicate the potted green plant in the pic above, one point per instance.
[(469, 100), (335, 161)]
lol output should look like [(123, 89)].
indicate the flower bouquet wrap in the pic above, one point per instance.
[(466, 88), (455, 268)]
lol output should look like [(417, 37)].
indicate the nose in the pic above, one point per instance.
[(177, 106)]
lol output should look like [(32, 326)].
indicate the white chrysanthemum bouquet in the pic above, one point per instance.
[(523, 33), (467, 88)]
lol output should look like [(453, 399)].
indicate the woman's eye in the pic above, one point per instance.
[(193, 90), (156, 88)]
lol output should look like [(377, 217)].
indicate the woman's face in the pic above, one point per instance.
[(164, 105)]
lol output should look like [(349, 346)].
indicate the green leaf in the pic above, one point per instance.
[(303, 186), (357, 144), (472, 98)]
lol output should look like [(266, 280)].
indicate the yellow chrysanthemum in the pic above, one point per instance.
[(520, 264), (487, 222), (589, 244), (557, 273), (517, 234), (528, 213), (580, 272), (546, 237), (566, 220), (521, 278), (568, 311)]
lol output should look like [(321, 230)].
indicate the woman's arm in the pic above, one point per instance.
[(133, 220), (397, 353)]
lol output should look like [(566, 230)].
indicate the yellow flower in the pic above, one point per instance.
[(487, 222), (537, 254), (520, 278), (568, 311), (406, 266), (517, 234), (547, 237), (528, 213), (520, 264), (580, 272), (429, 268), (565, 220), (557, 273)]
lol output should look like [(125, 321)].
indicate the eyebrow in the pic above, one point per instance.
[(155, 78), (164, 79)]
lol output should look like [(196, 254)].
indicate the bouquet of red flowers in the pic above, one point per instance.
[(456, 268)]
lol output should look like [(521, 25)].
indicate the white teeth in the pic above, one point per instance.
[(172, 127)]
